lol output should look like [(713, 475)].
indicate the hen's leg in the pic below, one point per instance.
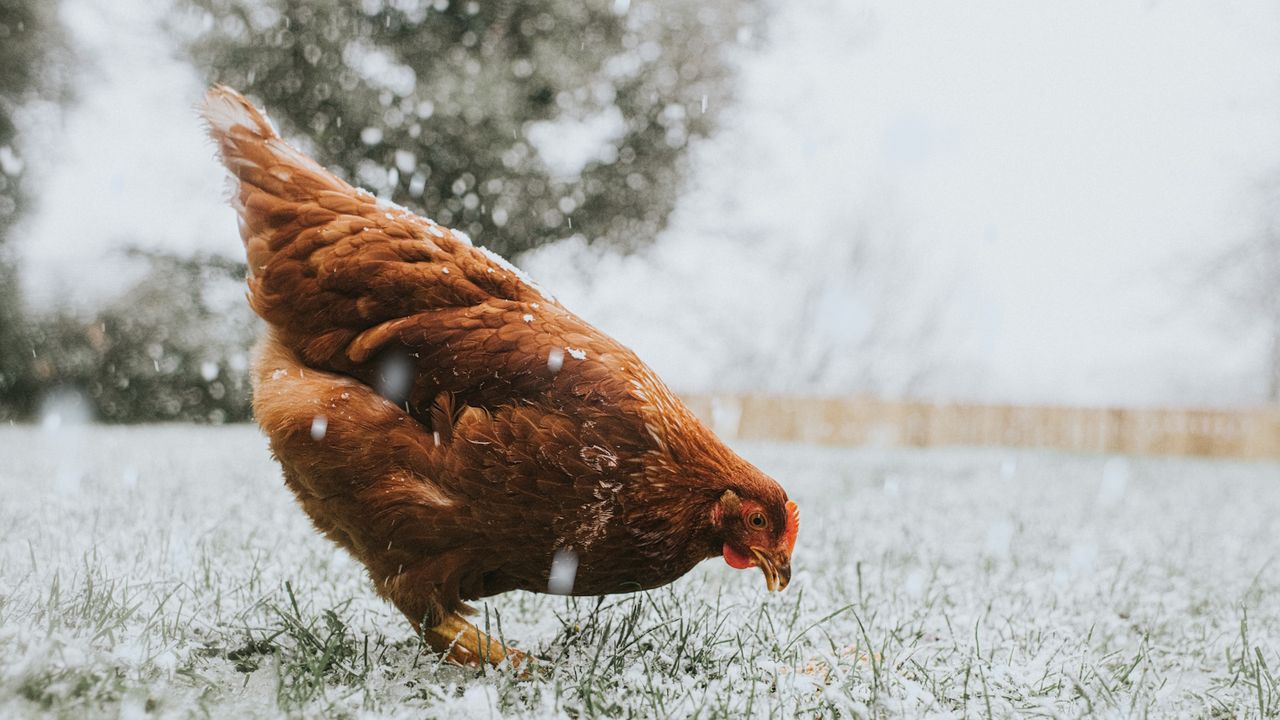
[(465, 644), (417, 591)]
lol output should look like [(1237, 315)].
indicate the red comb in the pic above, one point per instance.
[(793, 525)]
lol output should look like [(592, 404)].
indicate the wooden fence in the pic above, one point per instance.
[(1243, 433)]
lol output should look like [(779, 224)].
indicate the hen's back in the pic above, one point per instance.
[(366, 288)]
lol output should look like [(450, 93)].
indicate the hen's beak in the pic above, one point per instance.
[(775, 566)]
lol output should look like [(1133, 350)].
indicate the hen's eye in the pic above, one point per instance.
[(756, 520)]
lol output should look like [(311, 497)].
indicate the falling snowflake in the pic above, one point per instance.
[(564, 570), (319, 426), (209, 370), (555, 360)]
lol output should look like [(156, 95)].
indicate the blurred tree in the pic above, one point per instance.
[(33, 60), (1247, 275), (172, 348), (519, 123)]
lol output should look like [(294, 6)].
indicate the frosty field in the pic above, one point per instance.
[(166, 571)]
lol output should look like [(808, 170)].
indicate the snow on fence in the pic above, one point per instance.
[(1243, 433)]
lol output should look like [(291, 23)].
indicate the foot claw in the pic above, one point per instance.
[(464, 644)]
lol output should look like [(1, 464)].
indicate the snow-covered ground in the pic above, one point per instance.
[(166, 570)]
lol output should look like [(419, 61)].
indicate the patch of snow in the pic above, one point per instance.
[(1115, 478), (1009, 468), (509, 267), (891, 486), (999, 537)]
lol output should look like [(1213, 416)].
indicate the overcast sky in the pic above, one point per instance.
[(1060, 166)]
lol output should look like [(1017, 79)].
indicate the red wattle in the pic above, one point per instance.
[(736, 559)]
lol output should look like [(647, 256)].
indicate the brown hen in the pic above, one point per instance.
[(452, 425)]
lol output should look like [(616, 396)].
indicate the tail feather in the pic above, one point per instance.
[(272, 178), (225, 110), (249, 142), (346, 280)]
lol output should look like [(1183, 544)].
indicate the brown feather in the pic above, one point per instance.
[(551, 435)]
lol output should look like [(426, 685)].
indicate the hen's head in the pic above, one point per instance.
[(759, 527), (738, 509)]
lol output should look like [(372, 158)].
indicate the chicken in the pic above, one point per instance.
[(455, 428)]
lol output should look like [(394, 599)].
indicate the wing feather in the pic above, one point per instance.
[(349, 281)]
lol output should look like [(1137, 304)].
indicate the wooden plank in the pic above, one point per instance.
[(861, 421)]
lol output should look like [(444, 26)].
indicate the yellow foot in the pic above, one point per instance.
[(464, 644)]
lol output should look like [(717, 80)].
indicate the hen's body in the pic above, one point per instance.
[(442, 418)]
